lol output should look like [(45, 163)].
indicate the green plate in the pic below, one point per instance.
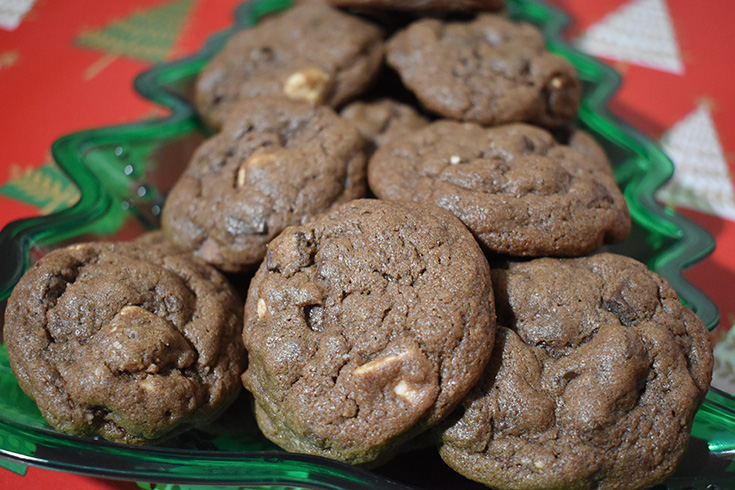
[(123, 174)]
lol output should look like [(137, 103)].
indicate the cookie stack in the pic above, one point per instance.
[(422, 223)]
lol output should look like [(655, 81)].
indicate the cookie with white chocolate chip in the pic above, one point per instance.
[(596, 377), (366, 327), (276, 163), (490, 70), (134, 342), (312, 52), (515, 187)]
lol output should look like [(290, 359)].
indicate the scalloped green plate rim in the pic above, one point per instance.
[(670, 244)]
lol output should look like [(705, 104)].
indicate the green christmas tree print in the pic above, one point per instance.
[(146, 36), (47, 188)]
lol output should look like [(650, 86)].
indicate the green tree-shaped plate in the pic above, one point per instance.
[(123, 174)]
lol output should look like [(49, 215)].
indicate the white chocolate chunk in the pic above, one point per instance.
[(262, 308), (556, 82), (259, 159), (405, 391), (378, 363), (308, 85), (148, 384), (132, 309)]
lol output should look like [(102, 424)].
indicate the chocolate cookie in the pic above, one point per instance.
[(585, 144), (276, 163), (423, 5), (597, 372), (132, 342), (312, 52), (514, 186), (383, 120), (366, 327), (490, 70)]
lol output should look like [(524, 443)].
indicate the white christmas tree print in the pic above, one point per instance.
[(12, 12), (640, 33), (701, 180)]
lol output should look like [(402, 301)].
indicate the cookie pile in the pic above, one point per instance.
[(422, 223)]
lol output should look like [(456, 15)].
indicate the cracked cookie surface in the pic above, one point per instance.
[(365, 327), (489, 70), (517, 189), (275, 163), (131, 342), (312, 52), (597, 372)]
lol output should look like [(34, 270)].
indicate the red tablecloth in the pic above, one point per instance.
[(67, 65)]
